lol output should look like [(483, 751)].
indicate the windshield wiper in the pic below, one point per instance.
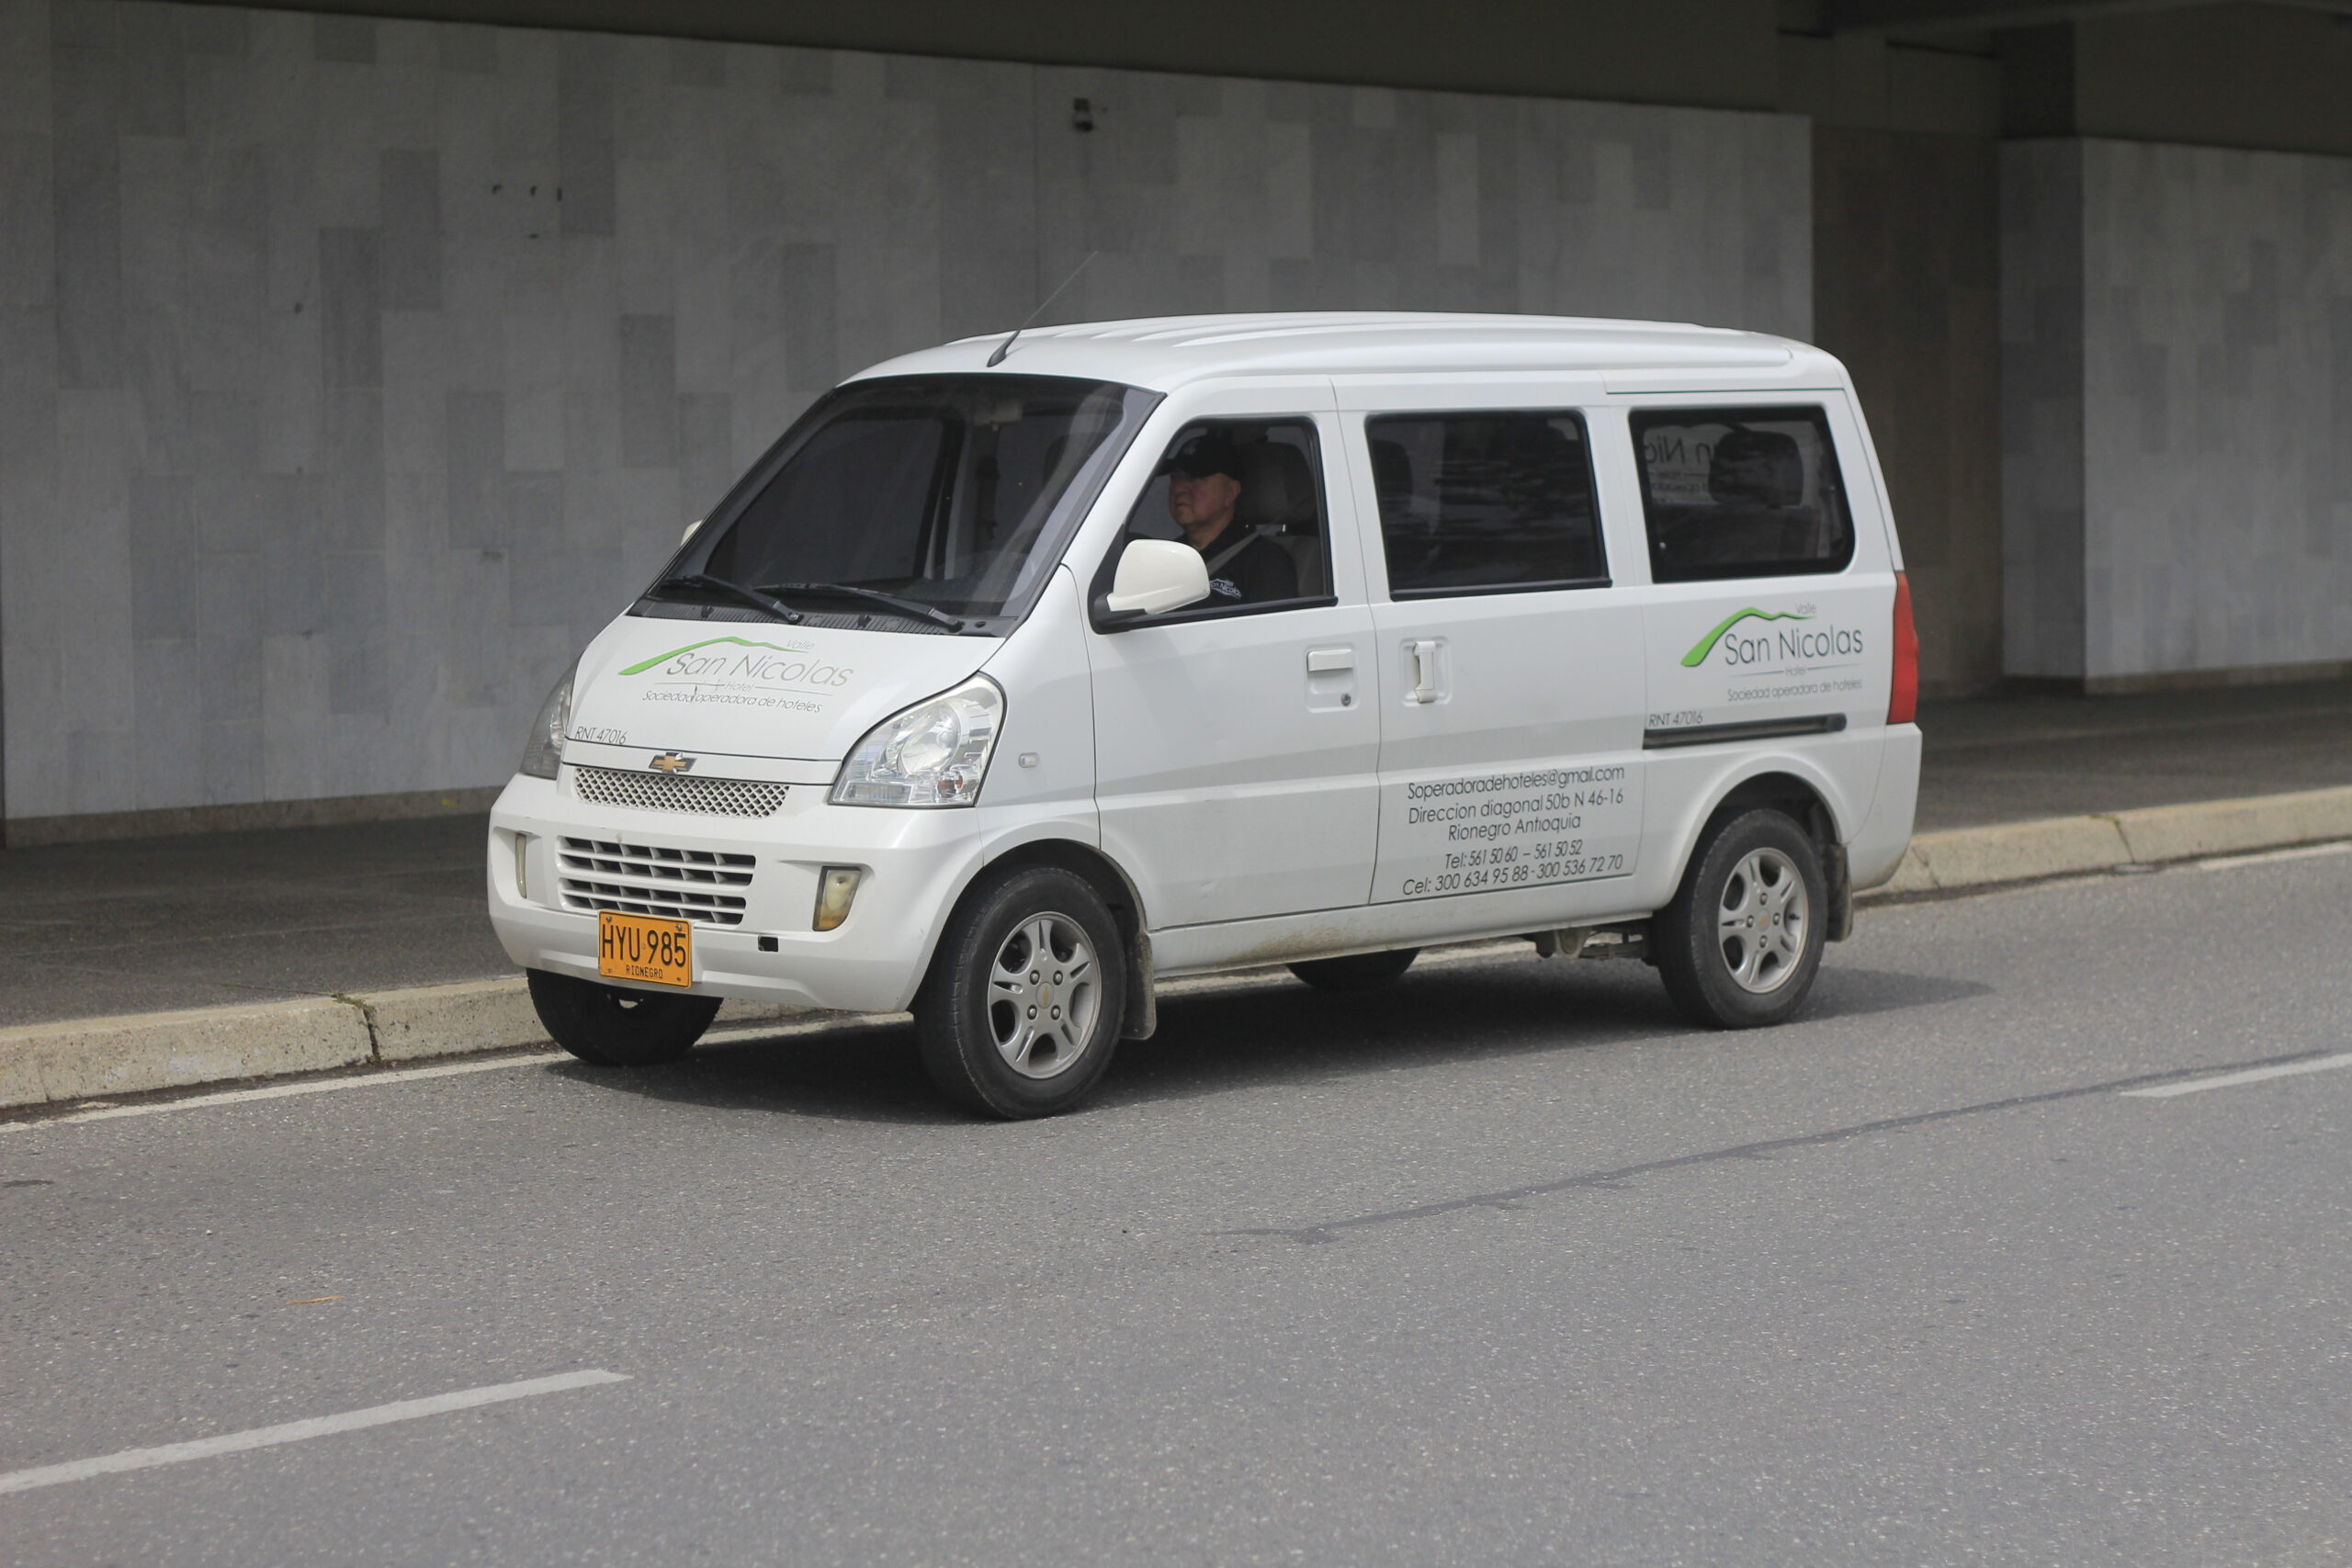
[(888, 601), (751, 596)]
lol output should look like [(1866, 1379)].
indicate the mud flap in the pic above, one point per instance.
[(1840, 875), (1143, 1000)]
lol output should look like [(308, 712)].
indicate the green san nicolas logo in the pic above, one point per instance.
[(1764, 645), (771, 662)]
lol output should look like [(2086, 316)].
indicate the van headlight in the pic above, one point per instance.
[(543, 753), (935, 753)]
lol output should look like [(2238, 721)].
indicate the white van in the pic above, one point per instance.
[(1020, 674)]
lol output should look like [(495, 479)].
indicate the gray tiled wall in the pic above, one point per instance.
[(353, 372), (2217, 373), (2041, 407), (2204, 353)]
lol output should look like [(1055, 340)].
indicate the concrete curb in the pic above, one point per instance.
[(1966, 858), (43, 1063), (423, 1021), (2230, 827)]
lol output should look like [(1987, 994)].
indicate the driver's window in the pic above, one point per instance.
[(1248, 493)]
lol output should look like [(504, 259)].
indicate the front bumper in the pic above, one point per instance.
[(914, 864)]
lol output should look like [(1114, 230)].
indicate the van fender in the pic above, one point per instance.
[(1068, 842), (1826, 807)]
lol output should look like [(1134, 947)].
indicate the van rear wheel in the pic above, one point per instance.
[(1025, 996), (614, 1027), (1741, 943), (1358, 971)]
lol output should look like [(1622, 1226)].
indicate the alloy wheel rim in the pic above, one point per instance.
[(1044, 991), (1763, 921)]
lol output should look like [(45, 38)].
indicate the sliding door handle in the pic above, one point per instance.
[(1423, 654)]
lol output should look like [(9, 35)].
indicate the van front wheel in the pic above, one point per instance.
[(1741, 941), (614, 1027), (1022, 1009)]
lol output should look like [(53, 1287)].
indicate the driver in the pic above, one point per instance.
[(1203, 487)]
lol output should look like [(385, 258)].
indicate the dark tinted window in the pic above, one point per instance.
[(1741, 493), (1485, 502), (956, 493), (873, 477)]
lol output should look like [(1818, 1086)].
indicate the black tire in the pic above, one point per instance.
[(614, 1027), (1762, 869), (998, 1041), (1358, 971)]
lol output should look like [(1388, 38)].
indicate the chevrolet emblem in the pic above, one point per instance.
[(671, 762)]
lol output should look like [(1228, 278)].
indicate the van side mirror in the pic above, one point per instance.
[(1154, 577)]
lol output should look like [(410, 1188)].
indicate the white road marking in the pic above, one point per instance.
[(2252, 1074), (285, 1090), (2300, 851), (295, 1431)]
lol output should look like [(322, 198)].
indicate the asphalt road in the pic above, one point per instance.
[(1501, 1266)]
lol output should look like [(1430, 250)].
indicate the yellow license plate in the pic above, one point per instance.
[(638, 947)]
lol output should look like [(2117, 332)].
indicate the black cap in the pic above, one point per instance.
[(1204, 455)]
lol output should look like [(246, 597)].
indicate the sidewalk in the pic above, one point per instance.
[(2018, 759), (301, 915), (141, 925)]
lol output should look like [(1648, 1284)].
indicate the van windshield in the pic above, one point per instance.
[(917, 503)]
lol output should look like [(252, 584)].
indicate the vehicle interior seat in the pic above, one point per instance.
[(1762, 473), (1392, 483), (1756, 479), (1278, 500), (1759, 468)]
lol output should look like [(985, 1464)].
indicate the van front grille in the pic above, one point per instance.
[(677, 792), (707, 885)]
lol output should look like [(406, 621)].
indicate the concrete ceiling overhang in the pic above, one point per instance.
[(1928, 16)]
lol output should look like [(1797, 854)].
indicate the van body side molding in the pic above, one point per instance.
[(1748, 729)]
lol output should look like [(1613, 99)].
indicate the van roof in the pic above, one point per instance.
[(1164, 351)]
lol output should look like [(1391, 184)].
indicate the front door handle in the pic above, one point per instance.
[(1330, 661)]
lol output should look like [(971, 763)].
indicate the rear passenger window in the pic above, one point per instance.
[(1485, 502), (1741, 493)]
